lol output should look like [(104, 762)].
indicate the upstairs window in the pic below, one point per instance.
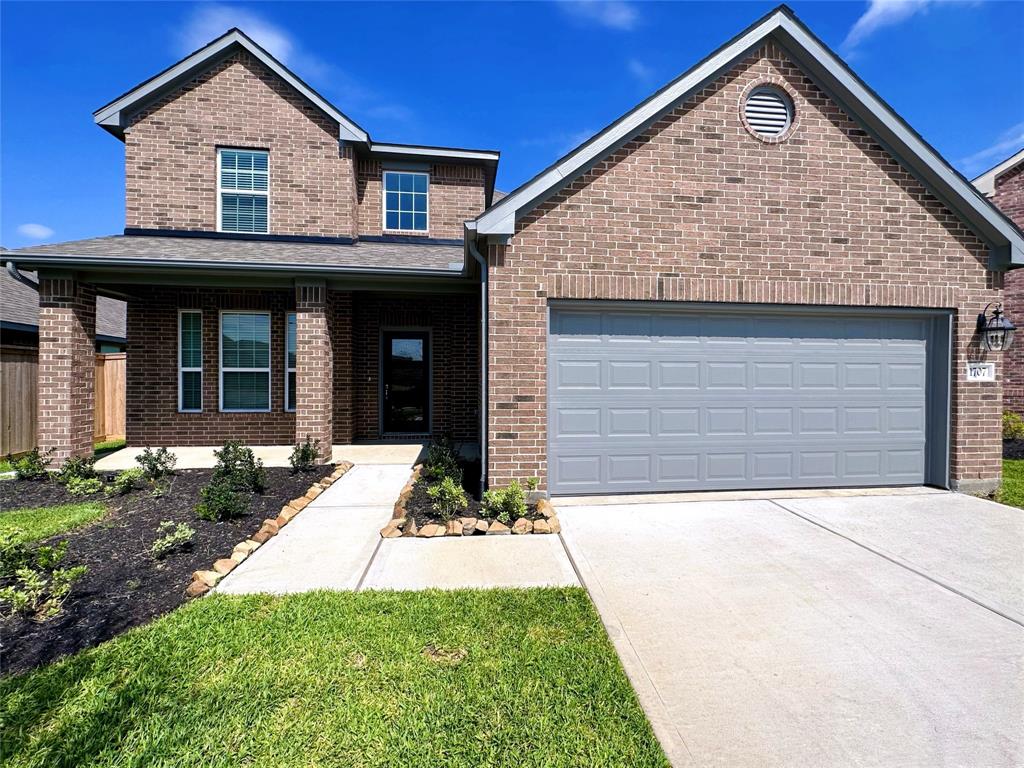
[(405, 201), (243, 184)]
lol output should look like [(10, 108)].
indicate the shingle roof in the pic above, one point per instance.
[(20, 304), (371, 255)]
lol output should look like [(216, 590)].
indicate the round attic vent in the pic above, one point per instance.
[(768, 111)]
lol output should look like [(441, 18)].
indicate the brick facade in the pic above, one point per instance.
[(698, 209), (314, 366), (1009, 197), (67, 361)]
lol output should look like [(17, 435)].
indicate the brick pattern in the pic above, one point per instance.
[(1009, 197), (314, 366), (341, 342), (67, 359), (697, 209), (171, 154), (455, 194)]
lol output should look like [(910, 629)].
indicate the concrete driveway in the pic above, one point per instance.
[(859, 631)]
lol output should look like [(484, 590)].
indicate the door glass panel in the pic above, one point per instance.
[(406, 382)]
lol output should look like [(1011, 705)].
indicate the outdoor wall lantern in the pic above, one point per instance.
[(996, 329)]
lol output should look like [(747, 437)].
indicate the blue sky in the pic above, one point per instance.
[(532, 79)]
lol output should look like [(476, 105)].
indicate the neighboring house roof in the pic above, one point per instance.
[(241, 255), (19, 309), (986, 182), (833, 77)]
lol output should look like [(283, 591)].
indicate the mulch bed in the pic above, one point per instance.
[(419, 507), (1013, 449), (124, 586)]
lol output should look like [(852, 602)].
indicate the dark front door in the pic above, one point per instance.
[(406, 381)]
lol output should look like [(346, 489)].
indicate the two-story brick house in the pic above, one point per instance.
[(759, 277)]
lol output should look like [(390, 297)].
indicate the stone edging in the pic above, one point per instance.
[(405, 527), (204, 581)]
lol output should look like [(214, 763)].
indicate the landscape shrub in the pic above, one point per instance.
[(506, 504), (532, 483), (173, 537), (158, 463), (33, 465), (448, 498), (124, 482), (1013, 426), (442, 461), (240, 468), (220, 500), (77, 468), (305, 456), (83, 486), (35, 586)]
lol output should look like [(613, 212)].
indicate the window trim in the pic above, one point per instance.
[(221, 192), (220, 360), (287, 370), (384, 203), (181, 370)]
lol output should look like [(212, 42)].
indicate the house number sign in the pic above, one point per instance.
[(981, 371)]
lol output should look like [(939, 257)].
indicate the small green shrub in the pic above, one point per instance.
[(532, 483), (505, 505), (159, 489), (442, 461), (305, 456), (77, 468), (1013, 426), (240, 468), (448, 498), (84, 486), (220, 501), (32, 466), (156, 464), (172, 537), (39, 587), (125, 482)]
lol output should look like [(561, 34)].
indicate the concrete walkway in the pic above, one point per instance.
[(201, 457)]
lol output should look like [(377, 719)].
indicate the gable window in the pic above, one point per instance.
[(243, 184), (405, 201), (289, 364), (245, 361), (190, 361)]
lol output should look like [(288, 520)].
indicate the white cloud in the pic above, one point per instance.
[(562, 141), (35, 231), (1009, 141), (639, 70), (882, 13), (613, 14)]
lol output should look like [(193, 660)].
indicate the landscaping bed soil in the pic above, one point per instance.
[(1013, 449), (419, 507), (124, 586)]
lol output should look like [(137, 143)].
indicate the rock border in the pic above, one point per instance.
[(402, 526), (203, 581)]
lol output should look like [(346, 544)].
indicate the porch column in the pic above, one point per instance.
[(67, 363), (314, 365)]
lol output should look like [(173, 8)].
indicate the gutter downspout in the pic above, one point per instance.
[(12, 270), (471, 241)]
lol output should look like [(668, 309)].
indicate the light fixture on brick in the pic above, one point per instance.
[(996, 329)]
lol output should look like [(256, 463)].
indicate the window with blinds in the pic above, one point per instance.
[(289, 364), (768, 111), (190, 361), (245, 361), (243, 189)]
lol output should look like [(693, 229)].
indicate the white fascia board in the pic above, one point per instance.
[(441, 152), (986, 182), (111, 115)]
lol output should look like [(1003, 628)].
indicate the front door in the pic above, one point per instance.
[(406, 381)]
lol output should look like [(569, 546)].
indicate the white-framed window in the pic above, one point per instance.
[(243, 190), (245, 361), (406, 201), (289, 362), (190, 361)]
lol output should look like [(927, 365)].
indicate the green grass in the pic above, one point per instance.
[(518, 678), (108, 446), (5, 466), (43, 522), (1012, 490)]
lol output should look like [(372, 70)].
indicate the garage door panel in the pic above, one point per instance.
[(672, 400)]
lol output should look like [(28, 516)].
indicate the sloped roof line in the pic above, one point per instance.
[(986, 182), (830, 73)]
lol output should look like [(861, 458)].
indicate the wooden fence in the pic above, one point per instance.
[(19, 377)]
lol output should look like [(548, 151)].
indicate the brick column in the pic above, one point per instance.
[(67, 362), (314, 365)]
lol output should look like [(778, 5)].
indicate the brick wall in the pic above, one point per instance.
[(1009, 197), (314, 366), (698, 209), (456, 193), (171, 154)]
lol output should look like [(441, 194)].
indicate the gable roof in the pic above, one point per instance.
[(986, 182), (829, 73)]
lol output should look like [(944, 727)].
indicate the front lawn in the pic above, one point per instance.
[(411, 680), (1012, 490), (42, 522)]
